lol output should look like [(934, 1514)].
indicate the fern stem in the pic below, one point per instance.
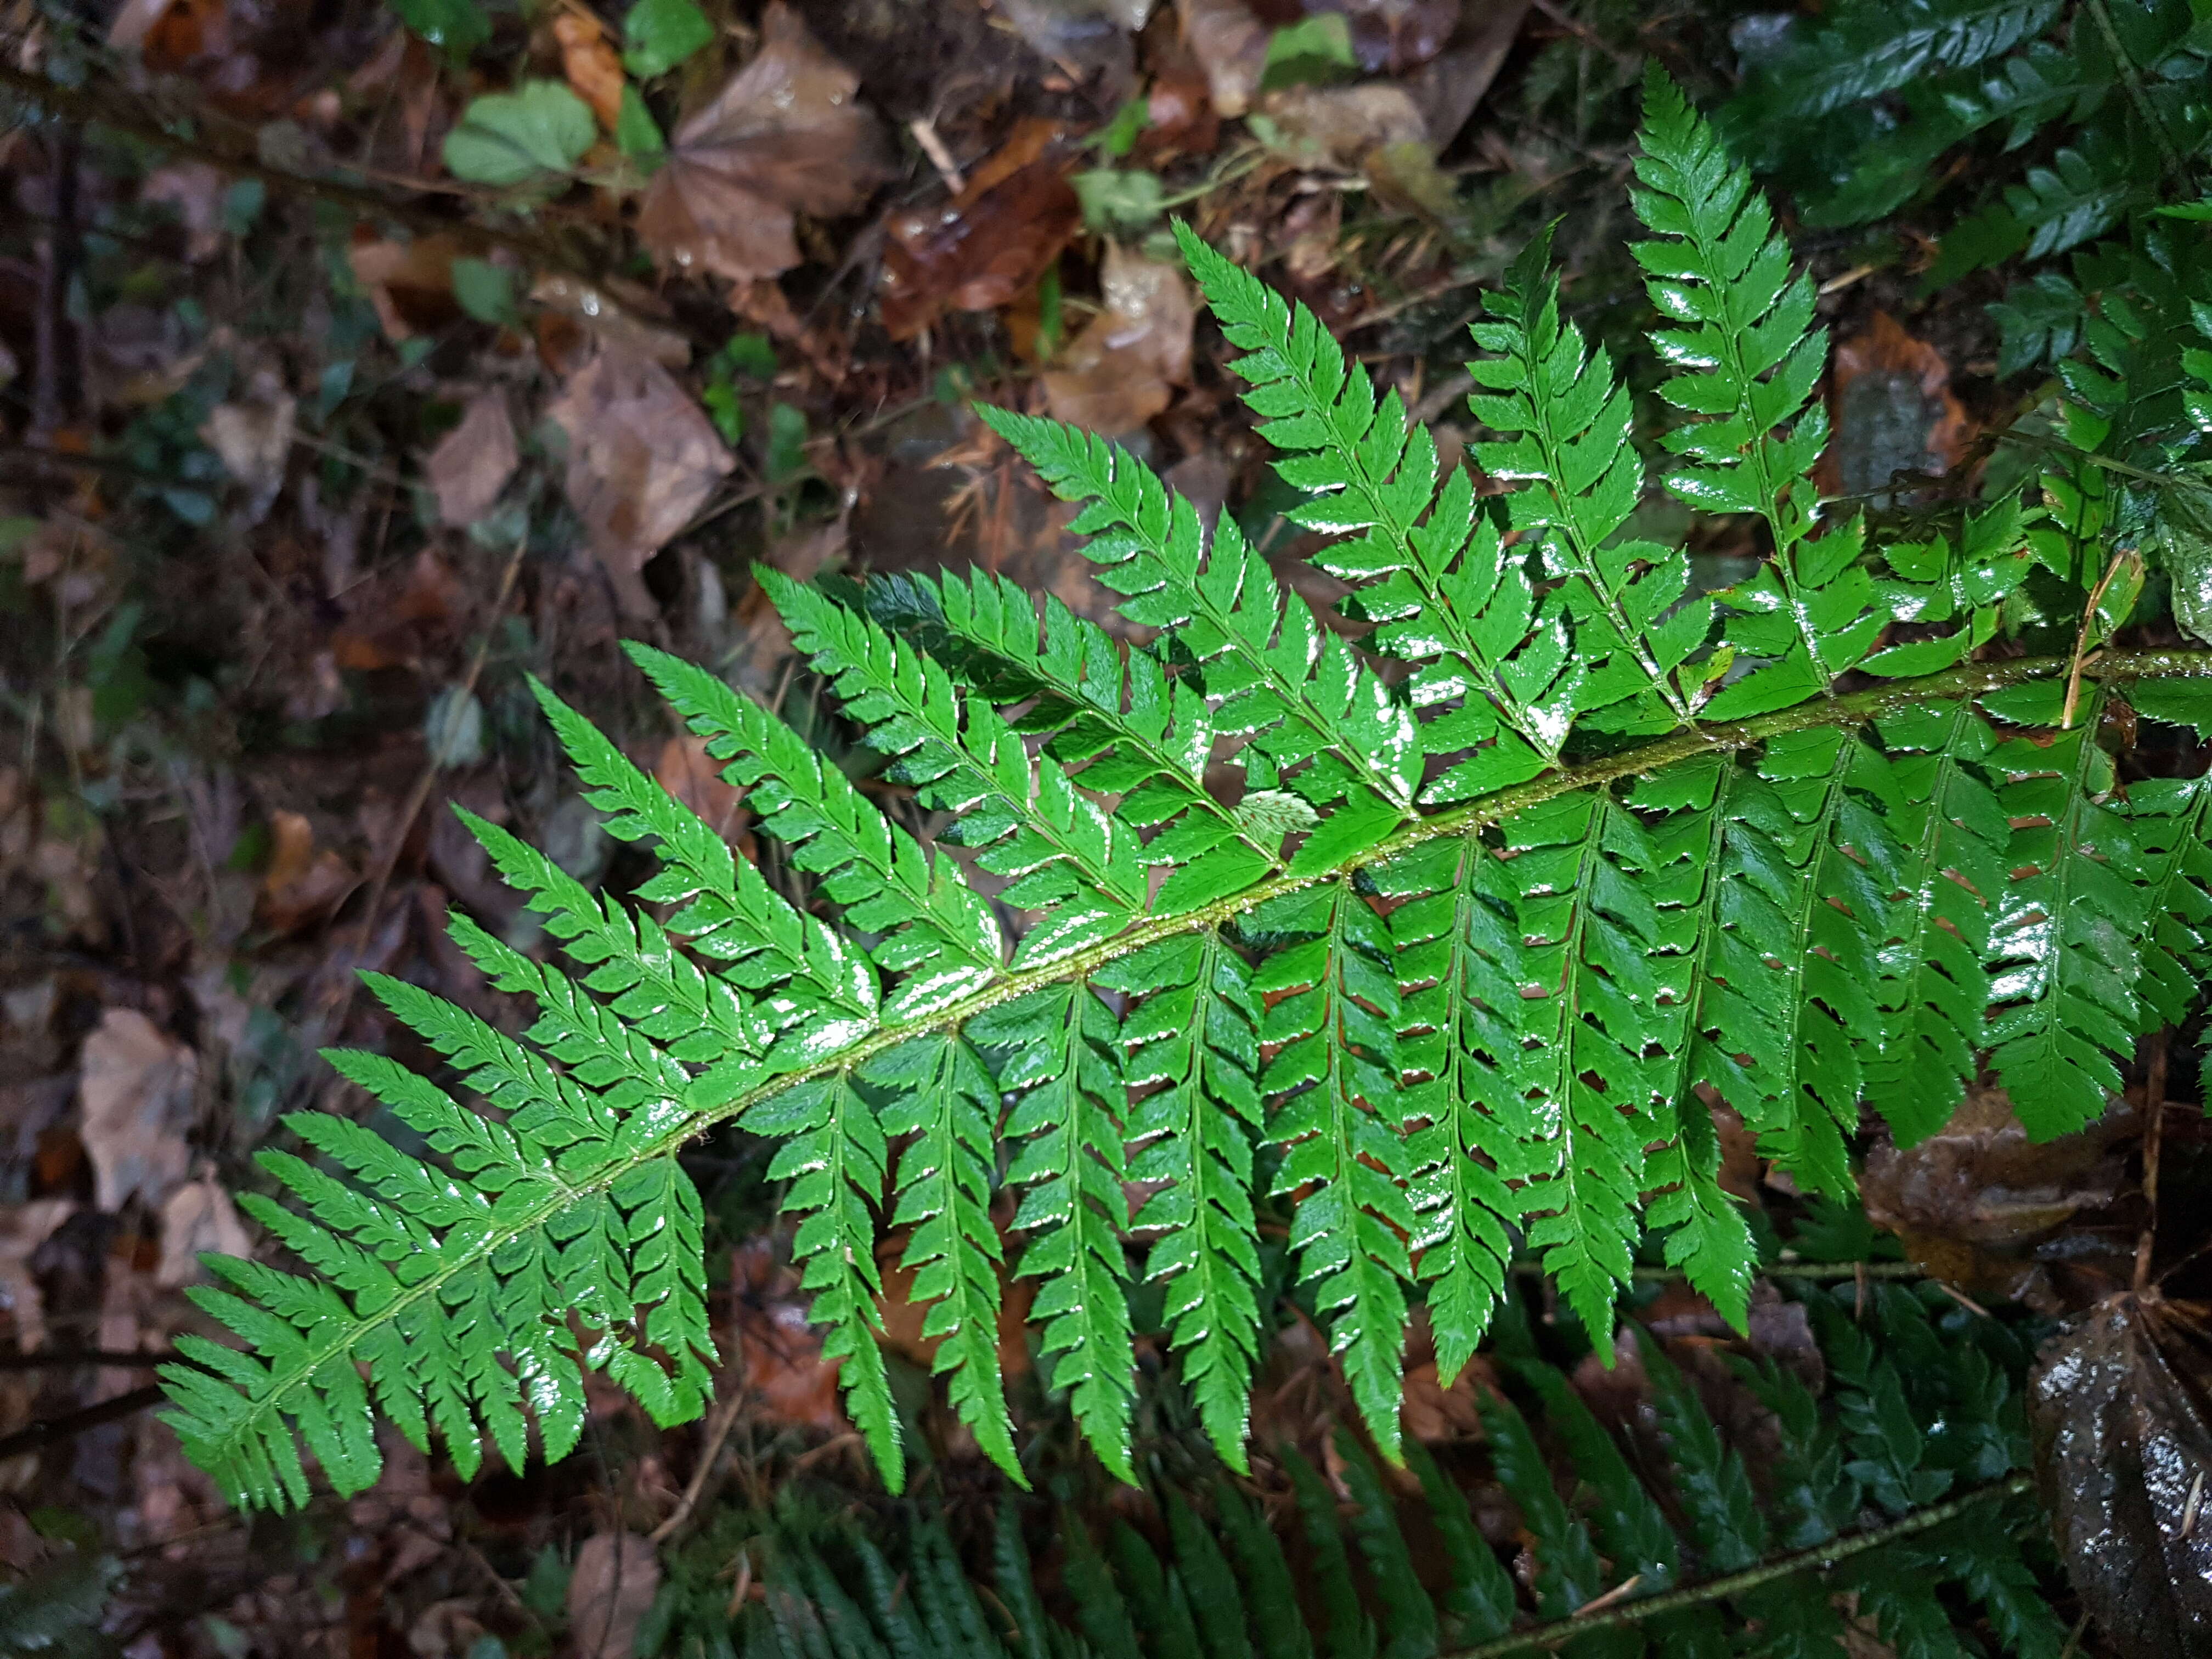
[(1818, 1558), (1815, 1270), (2131, 78)]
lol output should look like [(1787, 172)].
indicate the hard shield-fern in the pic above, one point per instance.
[(1521, 859)]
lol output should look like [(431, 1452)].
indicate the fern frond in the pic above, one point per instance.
[(1152, 754), (1339, 1122), (1060, 1055), (1195, 1033), (1565, 417), (1025, 819), (1373, 476), (1325, 724), (939, 1093), (939, 933), (835, 1156)]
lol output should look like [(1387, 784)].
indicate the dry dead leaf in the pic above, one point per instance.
[(616, 313), (1346, 124), (410, 284), (473, 462), (1122, 369), (616, 1578), (195, 191), (198, 1216), (23, 1228), (301, 883), (788, 135), (1230, 44), (1395, 35), (135, 1085), (2124, 1453), (253, 441), (589, 60), (642, 458)]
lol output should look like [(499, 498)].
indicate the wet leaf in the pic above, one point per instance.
[(642, 458), (1121, 371), (786, 135), (459, 25), (587, 58), (135, 1085), (521, 137), (2183, 525), (473, 463), (1892, 410), (2124, 1454), (658, 34), (987, 245), (484, 290), (616, 1577)]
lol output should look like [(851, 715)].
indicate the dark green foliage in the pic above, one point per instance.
[(1511, 872), (1665, 1502), (2074, 115)]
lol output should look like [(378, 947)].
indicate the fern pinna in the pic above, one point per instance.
[(1523, 859)]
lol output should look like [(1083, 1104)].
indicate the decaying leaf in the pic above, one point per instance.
[(1971, 1200), (1230, 44), (300, 883), (135, 1085), (589, 60), (1891, 410), (1121, 371), (473, 462), (788, 135), (1395, 34), (616, 1578), (642, 458), (990, 243), (23, 1228), (2124, 1453), (253, 439), (1344, 124), (410, 283), (197, 1217)]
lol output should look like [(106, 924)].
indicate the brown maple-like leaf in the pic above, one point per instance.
[(643, 460), (473, 463), (2123, 1451), (788, 135), (1122, 369)]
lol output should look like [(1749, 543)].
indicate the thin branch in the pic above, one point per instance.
[(46, 1431), (1818, 1558), (56, 1359)]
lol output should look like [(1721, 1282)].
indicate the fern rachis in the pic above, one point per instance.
[(1501, 885)]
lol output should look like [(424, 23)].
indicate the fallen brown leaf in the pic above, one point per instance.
[(135, 1087), (23, 1228), (2124, 1454), (195, 191), (643, 460), (1396, 35), (589, 60), (989, 244), (1120, 370), (1230, 44), (198, 1216), (473, 462), (615, 1580), (1891, 409), (1344, 124), (253, 441), (786, 135), (300, 883), (410, 284)]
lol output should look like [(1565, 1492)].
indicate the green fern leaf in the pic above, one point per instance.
[(1196, 1035), (1059, 1053), (940, 1094), (937, 931), (1335, 1072)]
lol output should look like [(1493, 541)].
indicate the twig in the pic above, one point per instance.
[(1766, 1270), (925, 134), (2154, 1104), (718, 1431), (2083, 653), (1816, 1559), (421, 792), (34, 1437), (56, 1359)]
